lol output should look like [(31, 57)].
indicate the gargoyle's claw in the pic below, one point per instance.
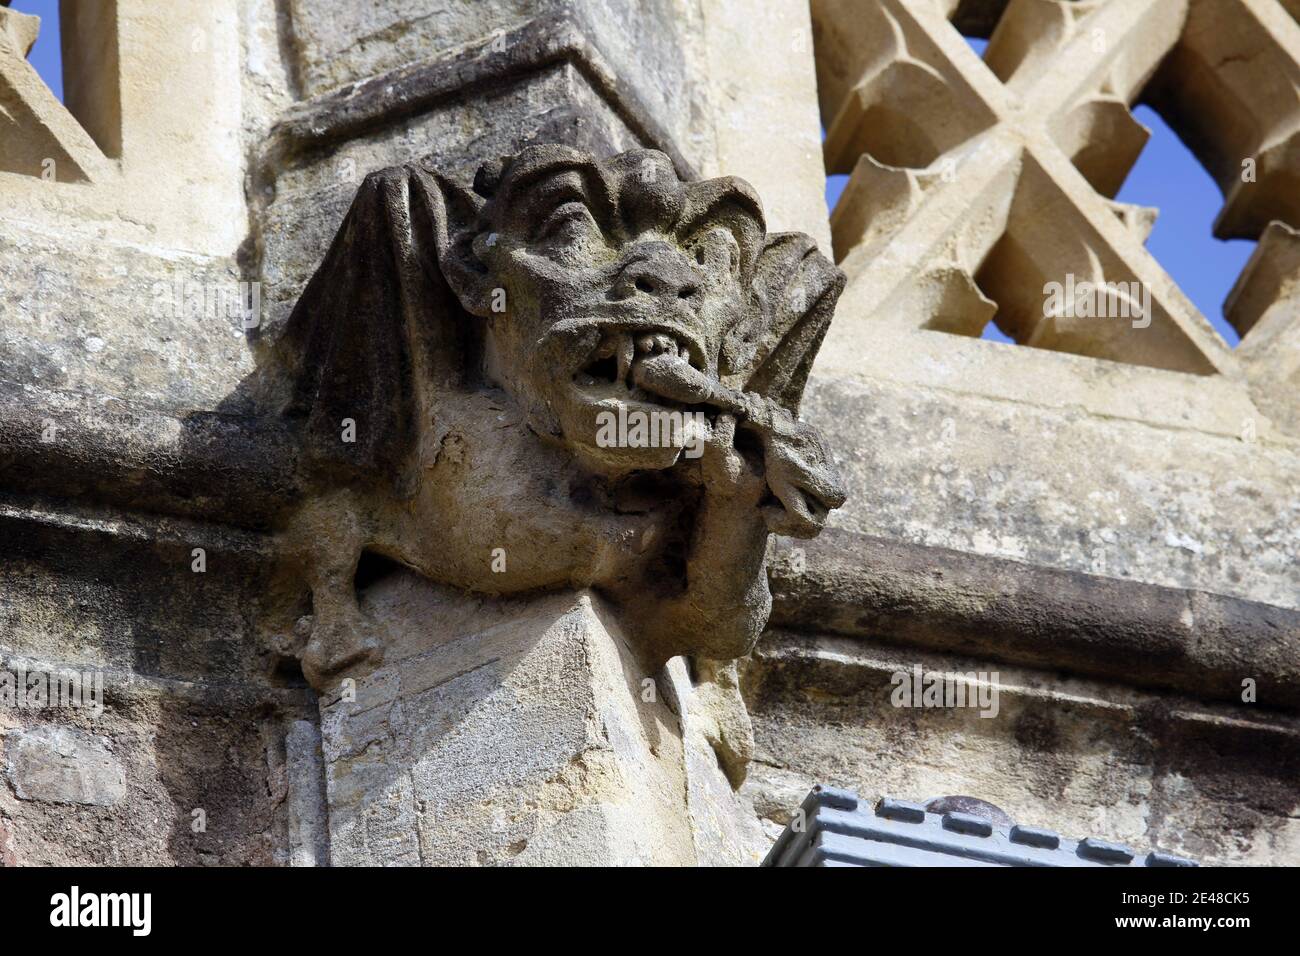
[(723, 467), (335, 646)]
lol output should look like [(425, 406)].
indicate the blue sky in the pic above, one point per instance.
[(45, 55), (1166, 176)]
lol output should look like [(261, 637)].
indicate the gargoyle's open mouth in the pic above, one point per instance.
[(617, 423), (609, 372)]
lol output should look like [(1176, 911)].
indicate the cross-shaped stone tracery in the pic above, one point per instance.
[(976, 184)]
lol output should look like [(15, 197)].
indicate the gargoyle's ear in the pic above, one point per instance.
[(795, 289)]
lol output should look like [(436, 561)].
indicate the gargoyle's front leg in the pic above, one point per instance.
[(341, 636), (726, 602), (327, 540)]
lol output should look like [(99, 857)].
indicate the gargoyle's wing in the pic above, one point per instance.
[(796, 288), (377, 330)]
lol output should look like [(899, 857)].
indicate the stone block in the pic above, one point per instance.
[(55, 764), (525, 735)]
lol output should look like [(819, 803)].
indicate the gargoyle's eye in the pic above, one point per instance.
[(566, 221)]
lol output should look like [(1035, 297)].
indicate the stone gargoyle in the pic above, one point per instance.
[(578, 373)]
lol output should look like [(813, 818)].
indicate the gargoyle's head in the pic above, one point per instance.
[(557, 275), (583, 268)]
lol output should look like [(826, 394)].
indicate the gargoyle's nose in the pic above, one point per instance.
[(658, 270)]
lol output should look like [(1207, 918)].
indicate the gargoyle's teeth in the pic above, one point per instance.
[(626, 352), (609, 362), (615, 359), (657, 344)]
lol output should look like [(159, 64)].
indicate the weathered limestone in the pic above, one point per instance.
[(1208, 782), (1106, 517), (308, 805), (1019, 508), (994, 205), (124, 787), (538, 72), (62, 765), (90, 40), (969, 239), (530, 735), (591, 344), (170, 435), (41, 138), (97, 253), (1228, 87), (533, 730), (1262, 307), (763, 93)]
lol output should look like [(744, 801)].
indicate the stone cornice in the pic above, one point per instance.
[(546, 41), (1138, 634)]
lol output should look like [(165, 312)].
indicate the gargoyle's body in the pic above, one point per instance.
[(458, 358)]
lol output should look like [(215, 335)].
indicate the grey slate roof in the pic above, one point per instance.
[(835, 828)]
